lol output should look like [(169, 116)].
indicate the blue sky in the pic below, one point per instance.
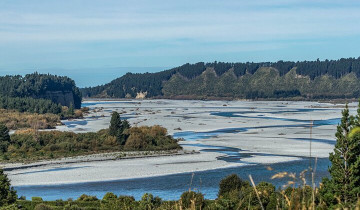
[(94, 41)]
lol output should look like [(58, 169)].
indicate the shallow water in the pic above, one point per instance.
[(170, 187)]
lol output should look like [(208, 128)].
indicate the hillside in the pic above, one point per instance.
[(307, 79), (33, 88)]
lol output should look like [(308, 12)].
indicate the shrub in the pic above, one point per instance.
[(193, 200), (149, 202), (85, 197), (109, 196), (37, 199), (230, 183), (43, 206)]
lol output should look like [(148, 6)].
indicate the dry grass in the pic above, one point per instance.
[(17, 120)]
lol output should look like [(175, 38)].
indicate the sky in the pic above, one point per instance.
[(95, 41)]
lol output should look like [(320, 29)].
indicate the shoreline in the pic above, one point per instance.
[(97, 157), (332, 101)]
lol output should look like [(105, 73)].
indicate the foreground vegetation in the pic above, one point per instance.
[(267, 80)]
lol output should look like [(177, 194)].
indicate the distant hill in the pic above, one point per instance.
[(33, 88), (267, 80)]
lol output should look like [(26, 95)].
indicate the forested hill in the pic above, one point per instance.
[(58, 89), (282, 79)]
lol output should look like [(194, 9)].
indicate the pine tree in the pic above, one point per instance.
[(7, 193), (71, 111), (4, 138), (343, 187), (4, 133), (115, 124)]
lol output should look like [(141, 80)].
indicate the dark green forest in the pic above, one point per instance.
[(283, 79), (28, 104), (40, 86)]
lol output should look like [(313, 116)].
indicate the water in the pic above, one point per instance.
[(170, 187)]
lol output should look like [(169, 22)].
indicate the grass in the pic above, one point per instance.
[(17, 120)]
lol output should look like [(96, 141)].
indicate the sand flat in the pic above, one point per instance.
[(270, 131)]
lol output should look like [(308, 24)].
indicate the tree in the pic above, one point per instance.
[(192, 200), (344, 185), (115, 124), (229, 184), (4, 138), (71, 111), (7, 193), (109, 196), (122, 136)]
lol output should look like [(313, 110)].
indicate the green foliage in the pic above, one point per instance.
[(118, 128), (37, 199), (125, 201), (193, 200), (109, 196), (7, 193), (344, 186), (230, 184), (28, 104), (85, 197), (43, 206), (34, 145), (115, 124), (148, 202), (39, 86), (4, 138)]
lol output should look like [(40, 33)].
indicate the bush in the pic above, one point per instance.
[(126, 200), (72, 207), (193, 200), (229, 184), (149, 202), (43, 206), (109, 196), (37, 199), (85, 197)]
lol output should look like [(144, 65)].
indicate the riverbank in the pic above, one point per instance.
[(98, 157), (223, 135)]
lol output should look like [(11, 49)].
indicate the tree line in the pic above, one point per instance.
[(28, 104), (37, 85), (152, 83)]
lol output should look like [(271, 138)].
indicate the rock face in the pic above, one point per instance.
[(141, 95), (65, 98)]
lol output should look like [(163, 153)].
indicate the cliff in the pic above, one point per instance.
[(65, 98)]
